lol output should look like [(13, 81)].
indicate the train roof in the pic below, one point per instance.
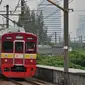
[(20, 33), (12, 29)]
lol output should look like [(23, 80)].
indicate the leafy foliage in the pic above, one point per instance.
[(76, 60), (77, 57), (34, 24), (52, 61)]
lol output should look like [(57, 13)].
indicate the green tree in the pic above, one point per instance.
[(42, 30), (35, 25), (24, 20)]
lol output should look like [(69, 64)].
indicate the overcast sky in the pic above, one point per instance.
[(13, 3), (73, 16), (77, 5)]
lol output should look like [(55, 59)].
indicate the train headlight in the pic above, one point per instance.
[(5, 60), (8, 37), (31, 61)]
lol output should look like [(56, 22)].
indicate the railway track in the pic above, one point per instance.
[(4, 79), (35, 81), (29, 81)]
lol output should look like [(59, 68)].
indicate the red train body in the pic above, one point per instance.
[(18, 55)]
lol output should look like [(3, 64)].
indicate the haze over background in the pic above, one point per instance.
[(77, 5), (79, 9)]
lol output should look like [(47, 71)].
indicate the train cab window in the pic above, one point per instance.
[(7, 46), (18, 47), (30, 47)]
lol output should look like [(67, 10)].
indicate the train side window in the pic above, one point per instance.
[(7, 46), (30, 47)]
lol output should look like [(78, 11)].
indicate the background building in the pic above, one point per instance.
[(81, 28), (52, 19)]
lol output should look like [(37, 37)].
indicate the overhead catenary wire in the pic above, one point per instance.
[(27, 7), (79, 10), (70, 1), (11, 20), (54, 11), (16, 7), (1, 2), (51, 14), (41, 2), (46, 5)]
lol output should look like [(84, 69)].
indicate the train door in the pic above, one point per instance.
[(19, 51)]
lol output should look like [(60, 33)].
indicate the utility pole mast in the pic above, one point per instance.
[(22, 10), (81, 41), (22, 7), (55, 38), (66, 36), (65, 10), (7, 15)]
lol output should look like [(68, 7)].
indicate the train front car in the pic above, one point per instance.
[(18, 55)]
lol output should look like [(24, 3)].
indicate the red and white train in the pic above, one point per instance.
[(18, 54)]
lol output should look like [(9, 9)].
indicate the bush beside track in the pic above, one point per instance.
[(76, 60)]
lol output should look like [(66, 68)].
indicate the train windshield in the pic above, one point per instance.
[(30, 47), (7, 46), (18, 47)]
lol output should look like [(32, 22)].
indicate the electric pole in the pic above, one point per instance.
[(66, 40), (59, 39), (22, 7), (81, 41), (65, 10), (7, 15), (66, 37), (22, 11), (55, 38)]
